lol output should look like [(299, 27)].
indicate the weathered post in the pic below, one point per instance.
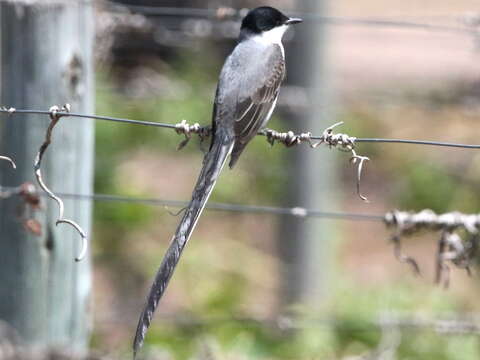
[(305, 245), (46, 59)]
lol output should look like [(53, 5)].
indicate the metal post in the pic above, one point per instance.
[(46, 59), (305, 245)]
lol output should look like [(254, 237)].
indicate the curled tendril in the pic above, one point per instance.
[(55, 117), (6, 158), (361, 160)]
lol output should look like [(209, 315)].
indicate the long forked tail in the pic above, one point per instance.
[(212, 166)]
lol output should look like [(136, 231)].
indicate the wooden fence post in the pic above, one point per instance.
[(46, 59)]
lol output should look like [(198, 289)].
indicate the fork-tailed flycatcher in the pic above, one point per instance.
[(246, 96)]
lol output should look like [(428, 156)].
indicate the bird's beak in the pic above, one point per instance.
[(292, 21)]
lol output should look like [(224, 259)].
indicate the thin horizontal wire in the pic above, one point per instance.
[(416, 142), (167, 11), (459, 325), (295, 211), (173, 127), (378, 22), (331, 20), (95, 117)]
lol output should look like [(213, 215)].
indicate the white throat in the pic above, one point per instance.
[(272, 37)]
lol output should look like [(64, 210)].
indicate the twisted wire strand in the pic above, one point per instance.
[(181, 128)]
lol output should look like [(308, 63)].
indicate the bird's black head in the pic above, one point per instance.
[(265, 18)]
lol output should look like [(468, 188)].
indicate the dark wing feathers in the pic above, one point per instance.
[(252, 111)]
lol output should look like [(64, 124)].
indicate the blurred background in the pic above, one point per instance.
[(265, 286), (242, 272)]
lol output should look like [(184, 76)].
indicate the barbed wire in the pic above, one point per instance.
[(469, 21), (453, 248), (204, 131)]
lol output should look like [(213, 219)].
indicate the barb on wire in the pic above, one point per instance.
[(452, 248), (288, 138), (184, 128), (9, 110), (401, 257), (340, 141), (55, 114), (442, 271), (460, 252)]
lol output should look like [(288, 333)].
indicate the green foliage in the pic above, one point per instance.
[(426, 186), (435, 186), (349, 330)]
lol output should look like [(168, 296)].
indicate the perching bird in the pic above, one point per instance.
[(246, 96)]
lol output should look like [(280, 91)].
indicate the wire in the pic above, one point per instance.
[(463, 324), (330, 20), (12, 111), (448, 324), (379, 22), (167, 11), (9, 191), (95, 117), (415, 142)]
